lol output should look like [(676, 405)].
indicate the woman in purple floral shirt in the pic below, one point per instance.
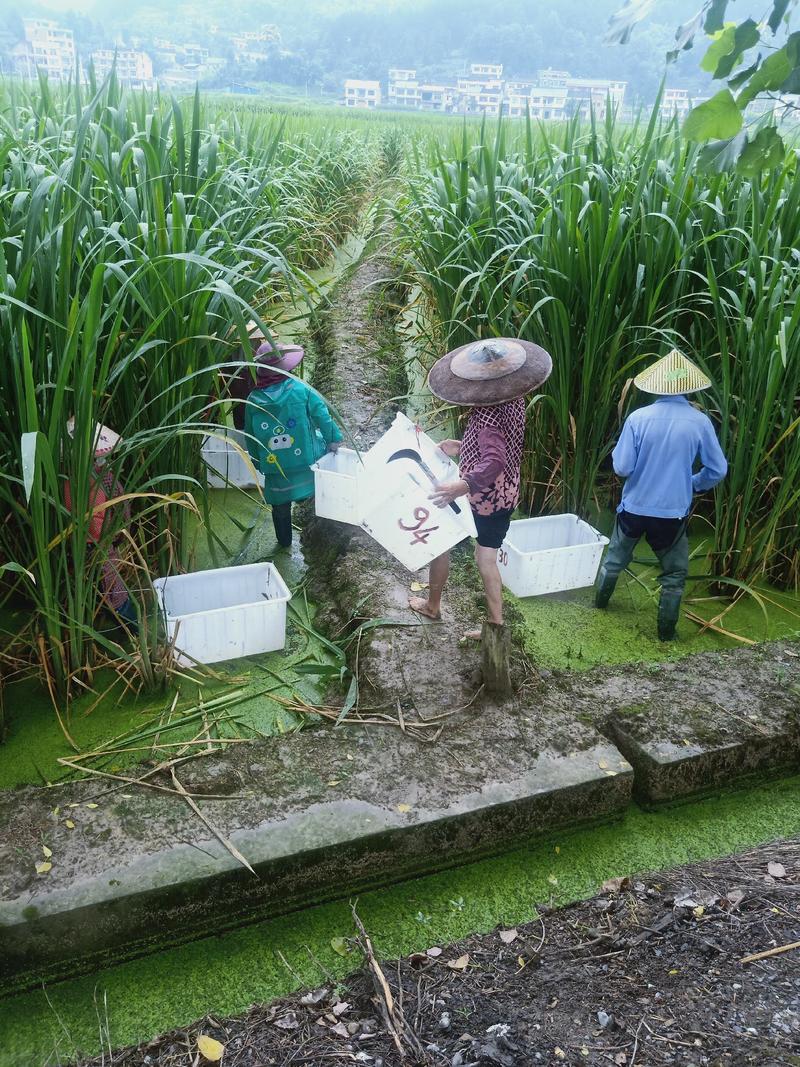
[(492, 377)]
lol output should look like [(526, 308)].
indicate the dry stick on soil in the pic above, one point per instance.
[(392, 1017), (234, 851), (770, 952), (704, 624)]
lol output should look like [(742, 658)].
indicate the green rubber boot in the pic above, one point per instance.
[(669, 609), (618, 556)]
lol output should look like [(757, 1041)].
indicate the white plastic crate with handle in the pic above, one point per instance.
[(339, 486), (549, 555), (402, 469), (226, 464), (225, 613)]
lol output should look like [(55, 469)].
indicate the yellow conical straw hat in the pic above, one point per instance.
[(673, 375)]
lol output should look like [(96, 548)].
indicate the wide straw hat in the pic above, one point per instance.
[(270, 358), (673, 375), (489, 372), (104, 437)]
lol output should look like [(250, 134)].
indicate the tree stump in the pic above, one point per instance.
[(496, 646)]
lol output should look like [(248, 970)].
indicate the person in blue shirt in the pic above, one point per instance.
[(656, 455)]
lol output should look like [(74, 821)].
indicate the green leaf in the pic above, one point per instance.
[(721, 156), (17, 568), (777, 14), (349, 701), (764, 151), (28, 450), (772, 73), (722, 45), (746, 37), (739, 79), (718, 118), (715, 16), (338, 944)]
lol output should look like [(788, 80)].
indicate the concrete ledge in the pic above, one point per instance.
[(709, 722), (139, 873)]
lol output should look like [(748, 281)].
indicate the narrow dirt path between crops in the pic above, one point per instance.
[(359, 364), (647, 973)]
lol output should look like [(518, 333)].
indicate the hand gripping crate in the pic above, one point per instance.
[(226, 464), (550, 554), (401, 517), (224, 614)]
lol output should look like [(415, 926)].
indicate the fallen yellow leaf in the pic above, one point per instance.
[(47, 852), (460, 964), (70, 825), (43, 867), (210, 1049), (558, 849), (551, 878), (91, 805), (334, 781), (417, 587), (403, 808)]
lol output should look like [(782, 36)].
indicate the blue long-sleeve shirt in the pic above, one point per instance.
[(656, 454)]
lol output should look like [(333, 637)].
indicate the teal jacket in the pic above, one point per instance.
[(288, 428)]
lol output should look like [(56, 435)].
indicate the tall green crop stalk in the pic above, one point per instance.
[(135, 245), (607, 246)]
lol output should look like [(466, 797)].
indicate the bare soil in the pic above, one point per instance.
[(643, 975)]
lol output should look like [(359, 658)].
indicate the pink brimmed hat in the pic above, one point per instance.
[(270, 358), (104, 437)]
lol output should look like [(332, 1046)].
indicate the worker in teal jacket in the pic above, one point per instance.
[(656, 455), (288, 428)]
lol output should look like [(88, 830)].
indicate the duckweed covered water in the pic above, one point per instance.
[(226, 974), (566, 630), (244, 534)]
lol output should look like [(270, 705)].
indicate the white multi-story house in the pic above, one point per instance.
[(433, 97), (587, 95), (675, 102), (404, 89), (47, 47), (132, 66), (493, 71), (548, 104), (250, 46), (362, 94), (552, 79)]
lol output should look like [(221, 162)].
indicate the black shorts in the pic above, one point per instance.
[(493, 528), (660, 534)]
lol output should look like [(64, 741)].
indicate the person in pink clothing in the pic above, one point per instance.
[(492, 378)]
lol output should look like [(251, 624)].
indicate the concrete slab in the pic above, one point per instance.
[(706, 723), (318, 815)]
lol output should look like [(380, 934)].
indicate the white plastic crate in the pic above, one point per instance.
[(226, 464), (339, 481), (550, 554), (225, 613)]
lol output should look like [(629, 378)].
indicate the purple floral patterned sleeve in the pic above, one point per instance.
[(482, 455)]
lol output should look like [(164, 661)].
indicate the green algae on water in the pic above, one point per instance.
[(225, 975), (34, 741), (565, 630)]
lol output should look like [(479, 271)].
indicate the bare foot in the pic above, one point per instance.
[(473, 635), (422, 607)]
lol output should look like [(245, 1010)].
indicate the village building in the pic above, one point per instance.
[(362, 94), (132, 67), (48, 48), (404, 89), (675, 102)]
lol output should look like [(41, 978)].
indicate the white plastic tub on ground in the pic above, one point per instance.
[(339, 478), (226, 464), (550, 554), (224, 614)]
